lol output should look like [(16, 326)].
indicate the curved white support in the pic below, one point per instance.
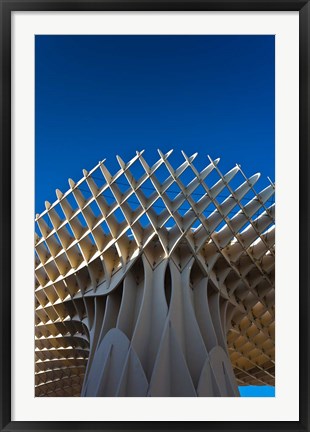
[(142, 293)]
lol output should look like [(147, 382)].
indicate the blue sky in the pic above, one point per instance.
[(98, 96), (257, 391)]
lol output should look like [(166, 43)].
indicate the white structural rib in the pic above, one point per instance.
[(153, 285)]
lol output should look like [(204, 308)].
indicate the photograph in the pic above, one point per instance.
[(154, 218)]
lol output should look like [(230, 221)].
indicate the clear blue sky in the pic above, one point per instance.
[(98, 96)]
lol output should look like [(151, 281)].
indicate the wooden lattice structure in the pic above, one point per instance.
[(150, 285)]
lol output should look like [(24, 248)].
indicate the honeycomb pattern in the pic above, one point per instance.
[(97, 233)]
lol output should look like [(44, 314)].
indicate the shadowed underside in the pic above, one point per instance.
[(150, 285)]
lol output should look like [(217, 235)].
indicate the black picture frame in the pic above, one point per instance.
[(6, 8)]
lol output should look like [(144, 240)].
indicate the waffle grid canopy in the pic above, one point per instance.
[(155, 285)]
